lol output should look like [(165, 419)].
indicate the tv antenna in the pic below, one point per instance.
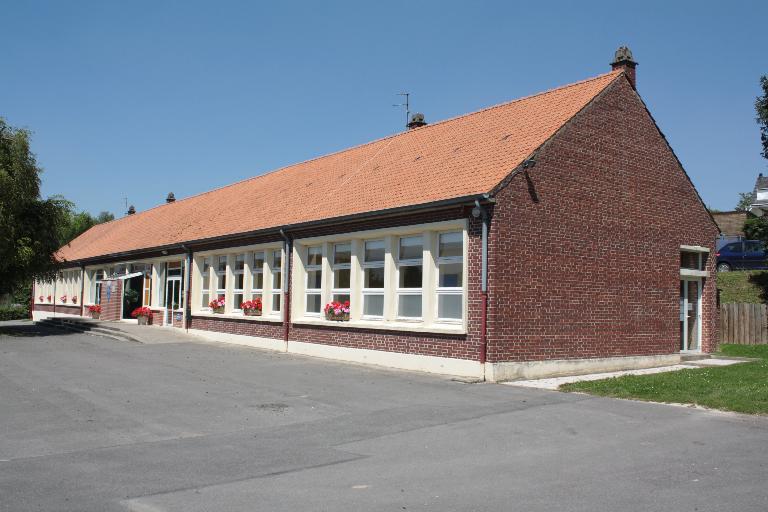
[(407, 105)]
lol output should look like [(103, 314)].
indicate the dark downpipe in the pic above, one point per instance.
[(285, 286), (188, 292), (483, 214), (82, 289)]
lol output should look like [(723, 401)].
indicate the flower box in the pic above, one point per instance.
[(217, 305), (251, 307), (337, 311), (143, 315), (95, 311)]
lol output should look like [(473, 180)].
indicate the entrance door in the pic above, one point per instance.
[(690, 315), (132, 295), (174, 292)]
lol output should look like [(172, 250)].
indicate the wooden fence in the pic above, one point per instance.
[(743, 324)]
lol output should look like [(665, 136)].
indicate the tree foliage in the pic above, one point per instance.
[(30, 226), (756, 228), (761, 108), (745, 199), (78, 223)]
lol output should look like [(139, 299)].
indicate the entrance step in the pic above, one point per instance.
[(694, 357), (87, 327)]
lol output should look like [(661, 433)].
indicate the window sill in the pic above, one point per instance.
[(235, 316), (402, 325)]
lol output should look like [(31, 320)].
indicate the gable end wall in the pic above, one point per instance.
[(585, 247)]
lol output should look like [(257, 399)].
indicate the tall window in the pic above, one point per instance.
[(257, 275), (314, 279), (373, 279), (450, 276), (206, 284), (410, 269), (221, 276), (277, 280), (98, 278), (342, 267), (238, 291)]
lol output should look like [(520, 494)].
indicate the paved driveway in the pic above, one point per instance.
[(93, 424)]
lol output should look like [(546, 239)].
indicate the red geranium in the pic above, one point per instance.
[(94, 308), (251, 304), (143, 311)]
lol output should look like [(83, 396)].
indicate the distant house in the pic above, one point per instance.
[(760, 200), (557, 233)]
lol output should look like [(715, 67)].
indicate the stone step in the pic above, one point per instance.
[(87, 327)]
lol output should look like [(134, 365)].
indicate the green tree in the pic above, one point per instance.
[(761, 108), (78, 223), (29, 225), (745, 199), (756, 228)]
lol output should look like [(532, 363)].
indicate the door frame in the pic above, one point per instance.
[(684, 313)]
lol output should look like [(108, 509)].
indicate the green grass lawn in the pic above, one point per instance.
[(743, 286), (740, 387)]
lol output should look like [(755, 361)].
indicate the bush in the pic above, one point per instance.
[(14, 312)]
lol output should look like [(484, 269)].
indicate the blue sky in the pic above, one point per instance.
[(136, 99)]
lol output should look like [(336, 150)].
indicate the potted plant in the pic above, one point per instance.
[(49, 298), (337, 311), (63, 299), (251, 307), (74, 299), (95, 311), (41, 298), (142, 314), (217, 305)]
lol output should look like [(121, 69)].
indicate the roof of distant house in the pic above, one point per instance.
[(460, 157)]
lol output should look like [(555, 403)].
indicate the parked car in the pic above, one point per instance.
[(743, 255)]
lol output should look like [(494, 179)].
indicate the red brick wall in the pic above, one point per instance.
[(111, 309), (158, 317), (68, 310), (238, 326), (585, 250)]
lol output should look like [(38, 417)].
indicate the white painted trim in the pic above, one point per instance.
[(688, 272), (694, 248), (240, 339), (503, 371), (398, 360), (413, 362), (415, 325)]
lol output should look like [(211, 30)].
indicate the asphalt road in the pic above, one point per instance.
[(93, 424)]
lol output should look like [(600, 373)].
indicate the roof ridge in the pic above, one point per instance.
[(388, 137)]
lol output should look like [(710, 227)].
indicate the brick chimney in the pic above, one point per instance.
[(416, 121), (171, 198), (131, 210), (623, 60)]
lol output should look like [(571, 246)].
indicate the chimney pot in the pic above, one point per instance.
[(131, 210), (171, 198), (623, 60), (417, 120)]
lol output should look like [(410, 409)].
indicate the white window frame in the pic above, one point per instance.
[(368, 292), (222, 292), (98, 280), (235, 273), (206, 264), (275, 270), (313, 291), (410, 262), (341, 266), (452, 290), (257, 271)]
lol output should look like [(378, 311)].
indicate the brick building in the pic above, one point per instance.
[(554, 233)]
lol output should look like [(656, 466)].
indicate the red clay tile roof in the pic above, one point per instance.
[(459, 157)]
